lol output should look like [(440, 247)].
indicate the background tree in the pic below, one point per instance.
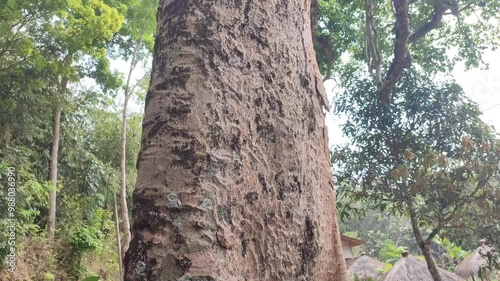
[(427, 155), (78, 29), (390, 37), (134, 43), (36, 37)]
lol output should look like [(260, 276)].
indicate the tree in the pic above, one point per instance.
[(391, 37), (428, 155), (79, 29), (45, 46), (135, 41), (233, 177)]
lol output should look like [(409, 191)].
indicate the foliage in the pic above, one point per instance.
[(42, 45), (390, 253), (449, 253), (374, 228), (84, 240), (428, 152), (427, 155), (468, 27)]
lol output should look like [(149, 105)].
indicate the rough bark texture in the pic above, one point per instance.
[(234, 181), (54, 152)]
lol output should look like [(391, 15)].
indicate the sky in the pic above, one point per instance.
[(482, 86)]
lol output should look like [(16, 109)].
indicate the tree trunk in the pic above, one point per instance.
[(118, 238), (424, 245), (123, 179), (123, 158), (54, 152), (234, 181)]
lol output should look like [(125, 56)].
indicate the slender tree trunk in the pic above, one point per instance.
[(123, 152), (123, 179), (234, 181), (54, 152), (118, 238), (424, 246)]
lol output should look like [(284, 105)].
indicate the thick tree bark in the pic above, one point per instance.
[(54, 152), (424, 245), (234, 181)]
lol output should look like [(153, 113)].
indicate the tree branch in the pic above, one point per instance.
[(439, 8), (401, 59)]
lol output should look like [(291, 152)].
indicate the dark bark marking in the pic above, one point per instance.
[(235, 143), (244, 244), (149, 95), (276, 105), (178, 77), (155, 130), (266, 131), (179, 110), (304, 81), (251, 197), (246, 13), (179, 133), (311, 121), (262, 181), (186, 155), (238, 53), (268, 78), (262, 41), (287, 185), (297, 183), (261, 256), (184, 264), (258, 102), (260, 65), (148, 217), (178, 240), (308, 249), (176, 23), (224, 213), (142, 264)]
